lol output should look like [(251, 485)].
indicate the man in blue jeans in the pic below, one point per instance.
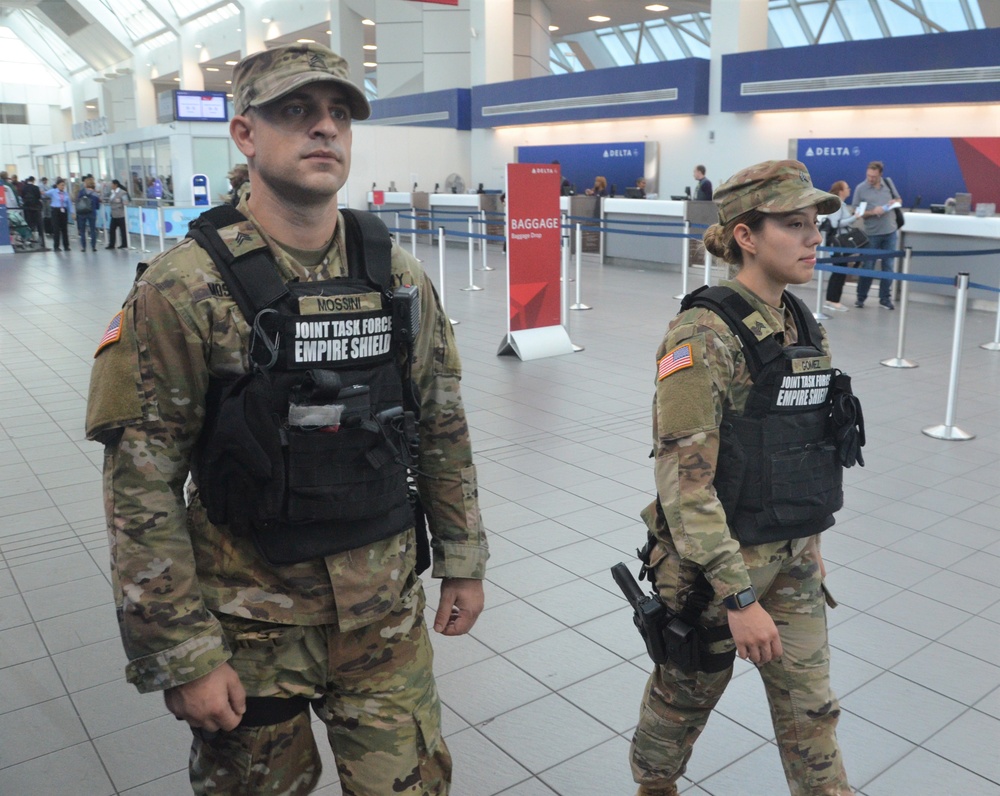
[(880, 227)]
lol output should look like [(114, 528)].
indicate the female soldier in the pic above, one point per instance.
[(747, 474)]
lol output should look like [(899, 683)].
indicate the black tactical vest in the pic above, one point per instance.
[(779, 475), (308, 452)]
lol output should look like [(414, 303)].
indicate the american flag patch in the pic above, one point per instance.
[(678, 359), (112, 333)]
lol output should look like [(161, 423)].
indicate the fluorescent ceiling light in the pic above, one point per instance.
[(657, 7), (369, 47), (231, 63), (553, 27), (367, 22), (266, 20), (599, 18), (90, 107), (211, 69), (305, 41), (370, 64)]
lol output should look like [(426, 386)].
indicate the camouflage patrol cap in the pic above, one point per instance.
[(271, 74), (774, 186)]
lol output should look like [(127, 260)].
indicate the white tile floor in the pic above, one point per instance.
[(542, 696)]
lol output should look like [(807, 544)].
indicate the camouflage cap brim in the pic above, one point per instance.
[(266, 76), (775, 186)]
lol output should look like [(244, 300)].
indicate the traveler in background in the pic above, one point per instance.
[(116, 201), (10, 195), (880, 227), (640, 185), (239, 183), (59, 208), (703, 185), (833, 223), (730, 546), (600, 187), (246, 643), (87, 203), (31, 201)]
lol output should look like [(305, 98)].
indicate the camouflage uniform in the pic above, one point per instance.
[(347, 629), (695, 538)]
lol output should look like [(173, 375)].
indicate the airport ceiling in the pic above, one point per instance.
[(75, 36)]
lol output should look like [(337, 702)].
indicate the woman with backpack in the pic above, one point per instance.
[(87, 203)]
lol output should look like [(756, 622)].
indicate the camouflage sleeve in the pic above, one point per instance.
[(447, 484), (169, 636), (695, 369)]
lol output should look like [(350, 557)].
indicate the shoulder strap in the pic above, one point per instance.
[(804, 321), (369, 247), (253, 279), (736, 311)]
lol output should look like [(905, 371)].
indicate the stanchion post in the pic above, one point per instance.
[(142, 232), (413, 235), (482, 249), (160, 226), (708, 268), (600, 228), (994, 345), (818, 314), (564, 286), (579, 256), (441, 248), (949, 430), (685, 259), (472, 255), (899, 361)]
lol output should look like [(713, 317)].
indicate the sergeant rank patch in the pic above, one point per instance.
[(678, 359), (112, 333)]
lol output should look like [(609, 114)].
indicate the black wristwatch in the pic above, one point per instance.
[(740, 600)]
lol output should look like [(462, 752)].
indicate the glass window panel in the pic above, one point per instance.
[(137, 18), (698, 48), (219, 15), (15, 55), (900, 21), (665, 38), (619, 54), (647, 55), (950, 16), (164, 172), (815, 13), (570, 56), (158, 41), (786, 27), (860, 19)]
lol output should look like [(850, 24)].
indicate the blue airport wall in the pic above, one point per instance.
[(940, 52), (689, 77), (453, 104)]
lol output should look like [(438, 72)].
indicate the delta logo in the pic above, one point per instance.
[(833, 151)]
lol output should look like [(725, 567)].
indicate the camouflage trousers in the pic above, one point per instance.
[(373, 689), (676, 705)]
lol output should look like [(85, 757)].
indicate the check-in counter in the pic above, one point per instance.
[(619, 245), (402, 202), (952, 233), (452, 211)]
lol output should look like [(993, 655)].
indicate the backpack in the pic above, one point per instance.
[(83, 204)]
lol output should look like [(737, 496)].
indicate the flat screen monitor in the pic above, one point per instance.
[(200, 106), (635, 193)]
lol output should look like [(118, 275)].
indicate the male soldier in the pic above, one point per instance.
[(242, 646)]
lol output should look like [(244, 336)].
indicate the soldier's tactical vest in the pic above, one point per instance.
[(308, 452), (779, 475)]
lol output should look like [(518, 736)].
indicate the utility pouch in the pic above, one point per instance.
[(241, 468), (848, 422)]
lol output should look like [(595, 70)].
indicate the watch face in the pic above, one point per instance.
[(745, 598)]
